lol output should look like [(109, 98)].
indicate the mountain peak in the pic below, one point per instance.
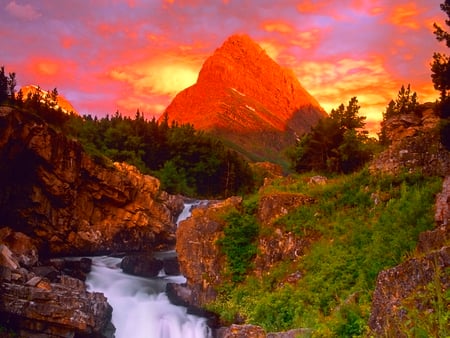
[(241, 91), (61, 101)]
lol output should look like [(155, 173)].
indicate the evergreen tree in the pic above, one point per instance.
[(440, 74), (440, 67), (336, 144)]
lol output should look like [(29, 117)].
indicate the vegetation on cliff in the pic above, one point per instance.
[(186, 161), (366, 224)]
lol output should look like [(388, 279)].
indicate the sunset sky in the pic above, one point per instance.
[(124, 55)]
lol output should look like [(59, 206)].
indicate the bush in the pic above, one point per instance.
[(238, 243)]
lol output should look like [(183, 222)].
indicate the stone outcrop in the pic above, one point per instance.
[(274, 205), (144, 265), (72, 204), (41, 301), (394, 287), (244, 97), (415, 145), (198, 254)]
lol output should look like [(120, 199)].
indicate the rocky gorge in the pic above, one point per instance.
[(58, 201)]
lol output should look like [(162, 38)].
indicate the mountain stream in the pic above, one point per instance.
[(141, 308)]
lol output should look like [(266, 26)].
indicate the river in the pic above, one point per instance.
[(141, 308)]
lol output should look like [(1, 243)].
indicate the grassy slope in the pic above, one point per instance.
[(358, 239)]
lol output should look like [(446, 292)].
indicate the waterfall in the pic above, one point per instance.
[(140, 306)]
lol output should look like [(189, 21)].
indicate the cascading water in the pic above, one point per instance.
[(140, 306)]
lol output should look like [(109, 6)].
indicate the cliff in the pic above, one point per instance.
[(51, 190), (415, 145), (245, 98)]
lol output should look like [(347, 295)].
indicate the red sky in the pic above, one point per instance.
[(124, 55)]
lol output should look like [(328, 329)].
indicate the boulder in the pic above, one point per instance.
[(55, 310), (144, 265), (171, 266)]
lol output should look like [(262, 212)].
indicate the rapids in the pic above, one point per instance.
[(140, 305)]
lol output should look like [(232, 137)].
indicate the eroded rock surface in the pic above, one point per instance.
[(198, 253), (415, 146), (42, 301)]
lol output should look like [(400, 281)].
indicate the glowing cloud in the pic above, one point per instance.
[(406, 16)]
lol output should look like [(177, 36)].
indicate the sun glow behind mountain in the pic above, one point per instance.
[(138, 54)]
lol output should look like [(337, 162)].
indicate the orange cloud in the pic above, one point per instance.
[(164, 76), (333, 83), (405, 16), (310, 6), (277, 26), (46, 67), (306, 40)]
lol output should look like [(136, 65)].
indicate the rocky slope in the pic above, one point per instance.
[(412, 280), (197, 237), (51, 190), (415, 148), (244, 97)]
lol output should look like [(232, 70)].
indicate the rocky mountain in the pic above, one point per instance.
[(71, 204), (248, 100), (61, 101)]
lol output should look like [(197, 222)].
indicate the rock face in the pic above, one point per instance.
[(51, 190), (409, 280), (198, 254), (243, 96), (33, 305), (415, 145)]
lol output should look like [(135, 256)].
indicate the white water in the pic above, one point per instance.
[(141, 308)]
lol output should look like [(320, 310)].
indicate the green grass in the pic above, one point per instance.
[(358, 239)]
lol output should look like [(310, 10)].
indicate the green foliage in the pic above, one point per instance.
[(435, 320), (366, 224), (238, 243), (406, 103), (338, 143)]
